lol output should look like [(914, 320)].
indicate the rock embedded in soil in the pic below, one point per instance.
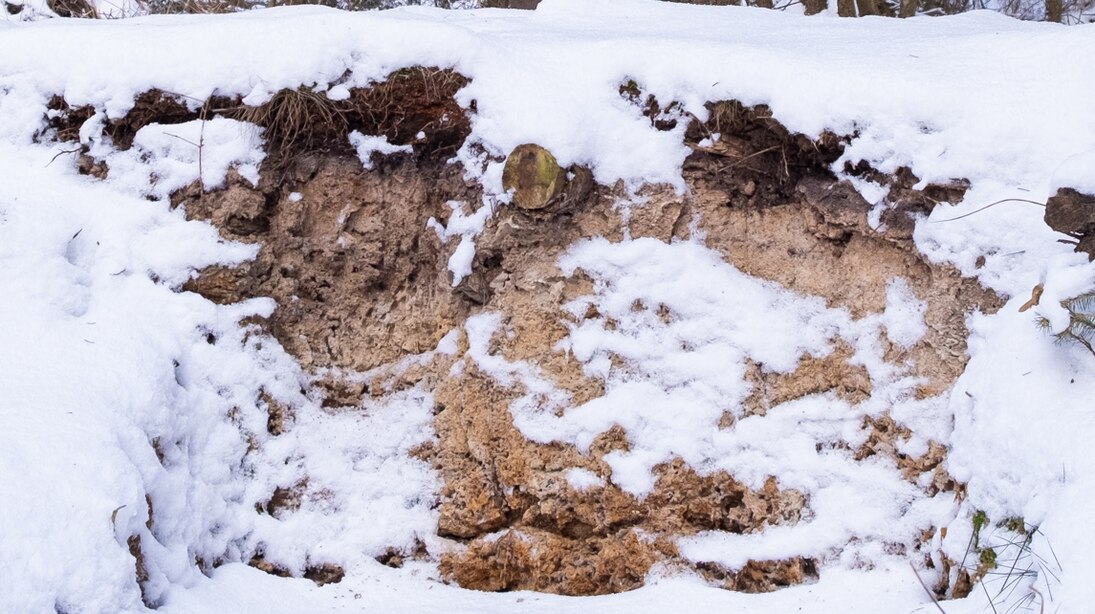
[(534, 176)]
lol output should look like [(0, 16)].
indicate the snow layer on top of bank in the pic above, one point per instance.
[(99, 358), (975, 96)]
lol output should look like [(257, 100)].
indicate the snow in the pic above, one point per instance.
[(904, 314), (467, 227), (686, 325), (366, 146), (115, 386), (583, 479), (164, 159), (99, 362), (242, 589)]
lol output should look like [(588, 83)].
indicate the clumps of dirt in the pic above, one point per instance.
[(1072, 212), (833, 373), (412, 101), (602, 540), (527, 527), (320, 573), (81, 9), (905, 203), (153, 106), (285, 500), (361, 282), (258, 561), (750, 159), (762, 576), (140, 568), (662, 118), (66, 120), (535, 560), (396, 558), (278, 415), (819, 242), (412, 106), (885, 436), (326, 573)]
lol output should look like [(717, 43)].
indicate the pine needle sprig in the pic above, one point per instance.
[(1081, 323)]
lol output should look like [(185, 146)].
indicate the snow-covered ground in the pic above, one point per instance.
[(114, 387)]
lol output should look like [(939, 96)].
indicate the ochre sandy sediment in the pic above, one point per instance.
[(361, 281)]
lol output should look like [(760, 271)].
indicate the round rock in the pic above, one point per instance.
[(534, 176)]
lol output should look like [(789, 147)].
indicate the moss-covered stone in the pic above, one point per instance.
[(534, 176)]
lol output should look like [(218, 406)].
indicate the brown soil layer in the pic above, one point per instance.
[(361, 281)]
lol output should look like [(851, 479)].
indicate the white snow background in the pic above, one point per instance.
[(100, 356)]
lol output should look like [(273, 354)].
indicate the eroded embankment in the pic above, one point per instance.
[(362, 281)]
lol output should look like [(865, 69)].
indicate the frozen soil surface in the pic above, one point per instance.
[(283, 341), (361, 281)]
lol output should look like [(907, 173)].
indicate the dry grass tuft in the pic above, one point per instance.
[(412, 106), (296, 119), (411, 101), (82, 9)]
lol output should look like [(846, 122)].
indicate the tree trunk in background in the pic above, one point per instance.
[(510, 4), (845, 8), (1055, 11), (813, 7), (712, 2), (764, 4), (867, 7), (908, 8)]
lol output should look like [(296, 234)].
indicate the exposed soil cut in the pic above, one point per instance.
[(361, 282)]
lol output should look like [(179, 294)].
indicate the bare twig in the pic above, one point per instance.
[(61, 153), (987, 596), (926, 589)]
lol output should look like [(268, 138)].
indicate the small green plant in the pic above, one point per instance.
[(1004, 564), (979, 520), (1015, 524), (1081, 324), (988, 559)]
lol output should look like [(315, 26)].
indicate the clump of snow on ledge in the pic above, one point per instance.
[(167, 157), (366, 146), (105, 360), (466, 227)]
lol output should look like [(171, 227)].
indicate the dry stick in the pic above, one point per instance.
[(1041, 603), (987, 596), (201, 147), (926, 589), (1006, 200), (61, 153), (1025, 546)]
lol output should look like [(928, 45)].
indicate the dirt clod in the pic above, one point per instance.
[(762, 576), (1073, 213), (326, 573)]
